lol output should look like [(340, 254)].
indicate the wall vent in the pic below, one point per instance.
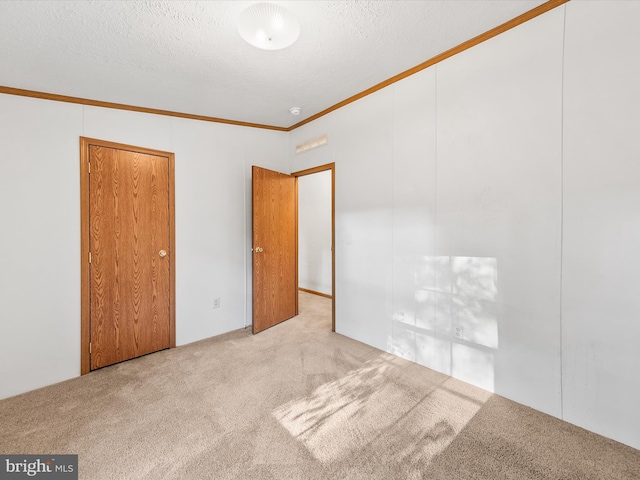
[(316, 142)]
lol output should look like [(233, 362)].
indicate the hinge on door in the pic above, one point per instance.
[(89, 347), (89, 163), (89, 257)]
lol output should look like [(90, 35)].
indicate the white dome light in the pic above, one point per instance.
[(268, 26)]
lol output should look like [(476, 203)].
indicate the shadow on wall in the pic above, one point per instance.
[(446, 316)]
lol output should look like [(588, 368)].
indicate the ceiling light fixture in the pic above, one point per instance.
[(295, 110), (268, 26)]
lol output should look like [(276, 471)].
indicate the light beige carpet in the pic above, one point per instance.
[(297, 402)]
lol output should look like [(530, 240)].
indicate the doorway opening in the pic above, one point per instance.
[(316, 239), (275, 246)]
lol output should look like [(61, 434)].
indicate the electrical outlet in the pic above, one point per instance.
[(457, 332), (216, 302)]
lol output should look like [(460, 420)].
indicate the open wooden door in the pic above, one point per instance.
[(275, 276)]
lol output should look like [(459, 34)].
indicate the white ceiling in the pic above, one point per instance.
[(187, 56)]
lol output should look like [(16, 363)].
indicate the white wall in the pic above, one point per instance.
[(448, 209), (40, 245), (209, 228), (364, 218), (498, 223), (413, 328), (40, 207), (314, 232), (600, 319), (498, 192)]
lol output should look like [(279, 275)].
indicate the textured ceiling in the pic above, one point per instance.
[(187, 56)]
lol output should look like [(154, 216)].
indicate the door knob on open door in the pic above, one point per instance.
[(162, 253), (259, 249)]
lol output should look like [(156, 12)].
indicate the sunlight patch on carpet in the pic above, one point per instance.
[(371, 410)]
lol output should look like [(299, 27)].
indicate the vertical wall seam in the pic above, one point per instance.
[(564, 33), (394, 111), (435, 219)]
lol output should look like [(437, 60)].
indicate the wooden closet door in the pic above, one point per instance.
[(129, 244)]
